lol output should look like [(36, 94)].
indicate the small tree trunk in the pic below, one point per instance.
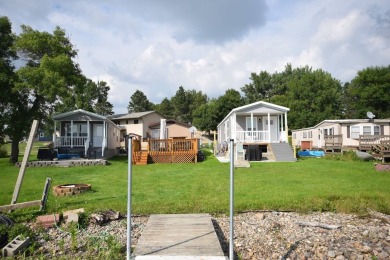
[(14, 151)]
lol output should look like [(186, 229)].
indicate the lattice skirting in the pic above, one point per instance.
[(176, 158)]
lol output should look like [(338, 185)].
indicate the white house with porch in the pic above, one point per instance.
[(81, 131), (257, 124)]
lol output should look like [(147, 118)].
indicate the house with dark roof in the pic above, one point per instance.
[(80, 132)]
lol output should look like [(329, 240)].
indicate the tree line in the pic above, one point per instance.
[(311, 95)]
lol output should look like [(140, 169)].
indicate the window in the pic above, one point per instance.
[(135, 121), (310, 134), (377, 130), (79, 130), (367, 130), (325, 131), (304, 134), (364, 130), (272, 122), (249, 124), (355, 131)]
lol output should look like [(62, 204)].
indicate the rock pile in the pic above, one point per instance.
[(278, 235)]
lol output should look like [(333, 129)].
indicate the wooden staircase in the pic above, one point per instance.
[(140, 158)]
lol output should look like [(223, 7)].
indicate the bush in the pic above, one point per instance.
[(349, 156), (3, 152)]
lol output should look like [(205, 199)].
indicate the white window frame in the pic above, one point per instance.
[(77, 130), (356, 130), (248, 125)]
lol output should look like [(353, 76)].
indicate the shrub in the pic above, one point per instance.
[(20, 229), (349, 156), (3, 152)]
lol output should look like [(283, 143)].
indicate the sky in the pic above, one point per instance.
[(156, 46)]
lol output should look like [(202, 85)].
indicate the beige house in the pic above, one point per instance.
[(136, 123), (342, 134), (173, 129)]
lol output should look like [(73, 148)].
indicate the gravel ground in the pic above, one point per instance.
[(257, 235)]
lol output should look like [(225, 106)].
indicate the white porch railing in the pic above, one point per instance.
[(252, 136), (69, 141)]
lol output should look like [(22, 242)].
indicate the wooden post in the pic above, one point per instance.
[(45, 194), (24, 162), (196, 149)]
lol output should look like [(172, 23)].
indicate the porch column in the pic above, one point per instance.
[(88, 133), (54, 134), (269, 127), (252, 126), (226, 130), (104, 137), (286, 126), (71, 134), (86, 145), (281, 128), (234, 128)]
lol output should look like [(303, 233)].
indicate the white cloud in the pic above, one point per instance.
[(156, 46)]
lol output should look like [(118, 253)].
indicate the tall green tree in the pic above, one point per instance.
[(101, 104), (7, 75), (225, 103), (185, 102), (166, 108), (181, 102), (48, 75), (205, 116), (368, 91), (261, 87), (311, 95), (139, 103)]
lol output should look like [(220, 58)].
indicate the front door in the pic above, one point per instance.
[(97, 137), (274, 127)]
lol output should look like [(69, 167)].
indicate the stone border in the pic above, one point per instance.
[(70, 189)]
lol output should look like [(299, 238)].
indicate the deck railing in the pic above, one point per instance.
[(68, 141), (333, 141), (252, 136), (173, 150), (366, 142)]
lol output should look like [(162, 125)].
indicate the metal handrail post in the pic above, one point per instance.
[(129, 184), (231, 226)]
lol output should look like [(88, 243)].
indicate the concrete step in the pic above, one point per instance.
[(283, 152)]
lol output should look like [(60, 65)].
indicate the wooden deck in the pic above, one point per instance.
[(173, 150), (176, 236)]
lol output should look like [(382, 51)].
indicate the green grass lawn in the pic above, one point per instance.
[(307, 185)]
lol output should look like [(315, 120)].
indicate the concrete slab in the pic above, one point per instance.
[(179, 236)]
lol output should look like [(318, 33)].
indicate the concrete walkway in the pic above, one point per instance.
[(176, 236)]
